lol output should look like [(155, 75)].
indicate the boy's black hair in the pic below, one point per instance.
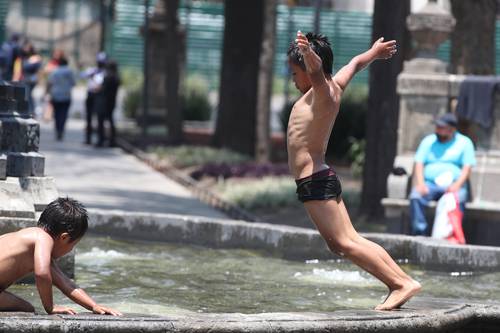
[(64, 215), (320, 45)]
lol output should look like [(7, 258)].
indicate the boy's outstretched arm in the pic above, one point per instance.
[(43, 275), (76, 294), (379, 50)]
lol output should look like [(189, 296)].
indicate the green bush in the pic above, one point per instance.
[(194, 99), (132, 78), (350, 121), (186, 156), (132, 102), (132, 82), (357, 156), (267, 192)]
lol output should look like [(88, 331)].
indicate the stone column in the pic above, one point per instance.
[(24, 189), (423, 84)]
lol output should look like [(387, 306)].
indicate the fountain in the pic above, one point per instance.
[(153, 266), (234, 276)]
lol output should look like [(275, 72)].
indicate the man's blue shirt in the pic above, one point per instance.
[(438, 157)]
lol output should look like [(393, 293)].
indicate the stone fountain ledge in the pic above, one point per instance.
[(284, 241), (429, 315)]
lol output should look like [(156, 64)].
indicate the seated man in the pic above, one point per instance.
[(443, 163)]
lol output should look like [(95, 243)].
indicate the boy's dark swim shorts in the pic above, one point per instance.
[(321, 185)]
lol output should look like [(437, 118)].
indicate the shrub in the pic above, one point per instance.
[(195, 102), (132, 81), (350, 121), (267, 192), (357, 156), (131, 103), (186, 156), (249, 169)]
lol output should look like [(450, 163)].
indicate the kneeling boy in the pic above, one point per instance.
[(61, 225)]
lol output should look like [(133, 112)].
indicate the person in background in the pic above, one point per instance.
[(95, 78), (9, 52), (54, 61), (107, 103), (51, 65), (443, 163), (59, 85), (26, 68)]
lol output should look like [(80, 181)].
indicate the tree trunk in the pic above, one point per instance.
[(174, 44), (389, 21), (473, 40), (236, 119), (265, 80)]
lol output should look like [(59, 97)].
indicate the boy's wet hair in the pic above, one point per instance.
[(64, 215), (320, 45)]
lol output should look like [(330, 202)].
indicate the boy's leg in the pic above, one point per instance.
[(11, 302), (381, 252), (334, 225)]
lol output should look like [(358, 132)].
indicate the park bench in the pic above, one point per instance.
[(481, 221)]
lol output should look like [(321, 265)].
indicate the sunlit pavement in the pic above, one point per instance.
[(108, 178)]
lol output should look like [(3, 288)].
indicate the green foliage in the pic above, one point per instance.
[(131, 102), (132, 78), (186, 156), (357, 156), (351, 120), (195, 102), (132, 81), (267, 192)]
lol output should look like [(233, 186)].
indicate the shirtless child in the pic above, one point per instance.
[(311, 121), (61, 225)]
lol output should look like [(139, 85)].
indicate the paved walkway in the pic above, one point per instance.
[(107, 178)]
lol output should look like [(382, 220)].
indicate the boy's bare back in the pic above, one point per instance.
[(17, 253)]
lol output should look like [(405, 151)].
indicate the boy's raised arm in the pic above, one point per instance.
[(379, 50), (314, 67), (76, 294)]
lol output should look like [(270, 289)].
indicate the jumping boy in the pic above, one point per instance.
[(61, 225), (311, 121)]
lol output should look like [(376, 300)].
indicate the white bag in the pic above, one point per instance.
[(442, 227)]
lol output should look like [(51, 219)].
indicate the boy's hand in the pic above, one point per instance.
[(311, 60), (62, 310), (384, 50), (99, 309), (302, 43)]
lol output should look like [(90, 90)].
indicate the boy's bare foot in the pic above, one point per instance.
[(398, 297)]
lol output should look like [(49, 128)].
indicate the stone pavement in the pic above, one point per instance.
[(427, 315), (107, 178)]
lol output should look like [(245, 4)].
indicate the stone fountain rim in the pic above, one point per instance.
[(454, 317), (284, 241)]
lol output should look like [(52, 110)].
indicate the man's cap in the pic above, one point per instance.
[(448, 119), (101, 57)]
